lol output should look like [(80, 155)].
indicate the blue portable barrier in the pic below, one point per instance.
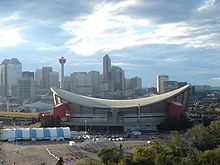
[(18, 134), (33, 133), (60, 132), (46, 132)]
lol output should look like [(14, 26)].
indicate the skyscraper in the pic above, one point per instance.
[(28, 74), (46, 77), (54, 79), (117, 78), (67, 83), (26, 89), (95, 82), (160, 83), (106, 68), (38, 78), (13, 69), (170, 86), (81, 83), (136, 83), (2, 80)]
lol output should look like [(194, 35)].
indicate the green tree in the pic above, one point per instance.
[(126, 160), (164, 154), (89, 162), (144, 155), (176, 144), (205, 138), (176, 124), (51, 122), (211, 157), (109, 156)]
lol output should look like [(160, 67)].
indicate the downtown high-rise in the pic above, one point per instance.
[(106, 68), (10, 72)]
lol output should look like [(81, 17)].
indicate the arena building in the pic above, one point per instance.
[(118, 116)]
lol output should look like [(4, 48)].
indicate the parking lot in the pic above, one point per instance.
[(47, 152), (36, 153)]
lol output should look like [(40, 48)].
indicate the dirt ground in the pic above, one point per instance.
[(47, 152), (37, 153)]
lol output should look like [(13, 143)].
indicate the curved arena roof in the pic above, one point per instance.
[(106, 103)]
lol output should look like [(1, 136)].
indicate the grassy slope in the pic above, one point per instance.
[(18, 114)]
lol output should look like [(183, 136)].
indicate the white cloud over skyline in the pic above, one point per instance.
[(10, 37), (178, 38)]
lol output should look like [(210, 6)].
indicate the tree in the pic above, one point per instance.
[(51, 122), (176, 124), (89, 162), (211, 157), (176, 143), (126, 160), (144, 155), (109, 156), (205, 138)]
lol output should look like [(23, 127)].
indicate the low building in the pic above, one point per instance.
[(39, 106)]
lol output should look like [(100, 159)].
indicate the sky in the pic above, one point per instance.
[(144, 37)]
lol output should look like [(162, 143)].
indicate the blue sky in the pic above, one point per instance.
[(144, 37)]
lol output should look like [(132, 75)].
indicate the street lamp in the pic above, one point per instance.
[(139, 115), (85, 126)]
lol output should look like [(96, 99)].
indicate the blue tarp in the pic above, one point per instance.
[(60, 132), (33, 133), (46, 132)]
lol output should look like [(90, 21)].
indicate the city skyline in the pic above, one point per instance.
[(145, 38)]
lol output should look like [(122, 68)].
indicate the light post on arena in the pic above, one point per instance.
[(85, 126), (139, 115)]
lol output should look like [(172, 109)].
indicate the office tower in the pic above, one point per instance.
[(94, 78), (28, 74), (181, 84), (152, 90), (54, 79), (67, 83), (2, 80), (202, 88), (117, 79), (62, 61), (127, 83), (160, 83), (81, 83), (95, 82), (106, 68), (25, 84), (170, 86), (38, 78), (136, 83), (46, 77), (13, 69)]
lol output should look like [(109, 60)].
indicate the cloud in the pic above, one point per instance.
[(10, 37), (107, 28), (102, 30), (207, 4), (145, 37), (14, 16), (215, 79), (55, 11), (45, 47)]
